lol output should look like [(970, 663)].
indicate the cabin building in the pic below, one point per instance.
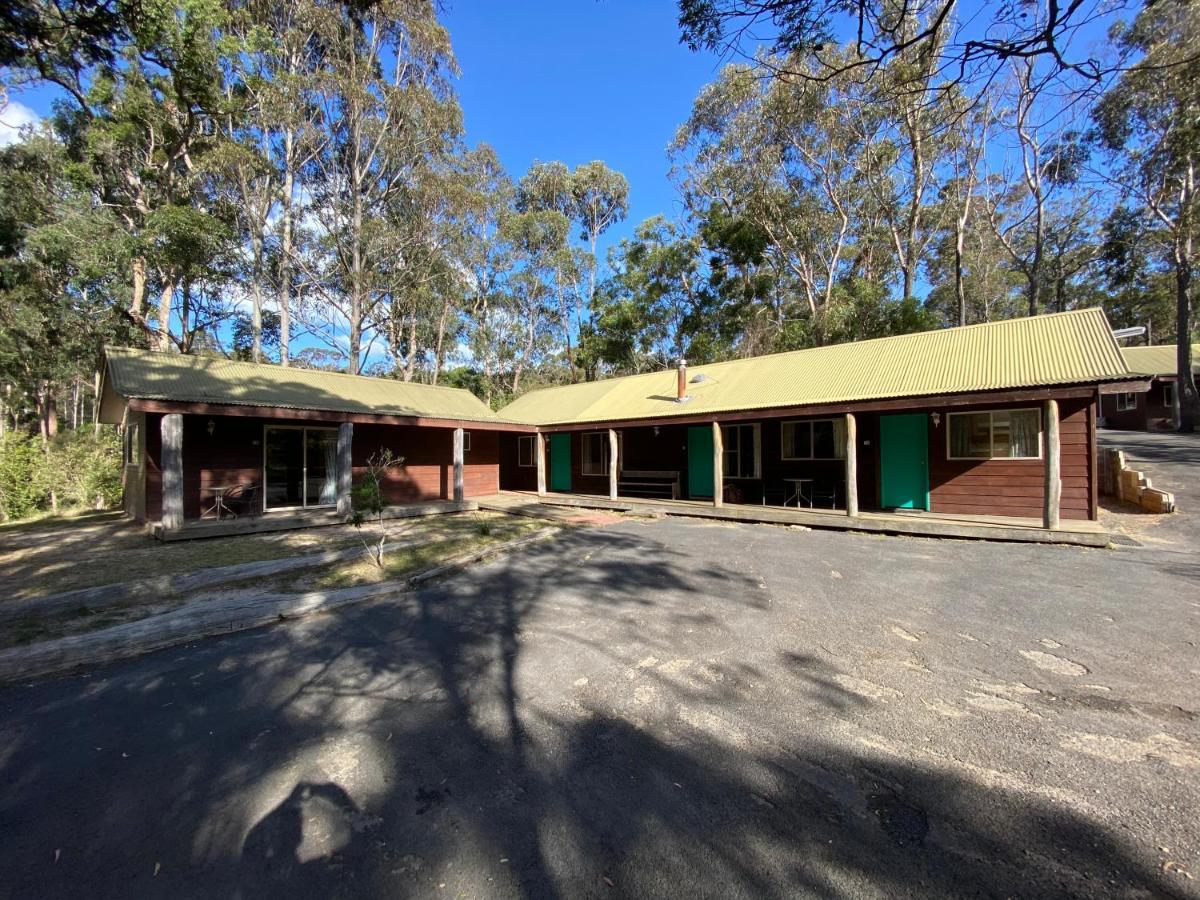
[(206, 437), (995, 419), (1155, 409)]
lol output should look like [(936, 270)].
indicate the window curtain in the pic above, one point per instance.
[(1025, 430), (329, 485)]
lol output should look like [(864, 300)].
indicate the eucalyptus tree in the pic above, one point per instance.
[(145, 125), (1150, 122), (1038, 186), (658, 305), (785, 155), (388, 111), (592, 198), (59, 259)]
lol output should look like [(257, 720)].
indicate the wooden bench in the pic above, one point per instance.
[(646, 483)]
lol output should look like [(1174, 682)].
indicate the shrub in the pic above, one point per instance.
[(19, 461), (75, 471)]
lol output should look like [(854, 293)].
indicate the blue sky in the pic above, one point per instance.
[(578, 80)]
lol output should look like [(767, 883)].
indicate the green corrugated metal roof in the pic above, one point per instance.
[(1158, 359), (1062, 348), (150, 375)]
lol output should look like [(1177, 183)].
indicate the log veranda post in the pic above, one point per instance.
[(718, 465), (540, 448), (458, 465), (171, 429), (851, 465), (614, 463), (345, 470), (1053, 488)]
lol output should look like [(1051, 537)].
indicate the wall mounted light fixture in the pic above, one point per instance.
[(212, 426), (937, 418)]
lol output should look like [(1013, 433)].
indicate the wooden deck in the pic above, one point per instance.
[(292, 520), (993, 528)]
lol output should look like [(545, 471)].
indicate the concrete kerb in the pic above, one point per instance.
[(193, 621)]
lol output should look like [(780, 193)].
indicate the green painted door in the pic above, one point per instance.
[(700, 461), (560, 462), (904, 461)]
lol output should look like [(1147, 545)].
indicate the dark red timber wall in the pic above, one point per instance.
[(1015, 487), (428, 469), (233, 454), (514, 476), (1150, 412), (978, 487)]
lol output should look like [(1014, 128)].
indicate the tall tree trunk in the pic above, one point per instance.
[(96, 406), (439, 350), (1189, 400), (137, 300), (163, 335), (256, 295), (410, 363), (285, 251)]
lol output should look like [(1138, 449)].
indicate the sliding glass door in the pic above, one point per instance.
[(299, 467)]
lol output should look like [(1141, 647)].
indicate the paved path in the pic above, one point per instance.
[(1173, 463), (663, 708)]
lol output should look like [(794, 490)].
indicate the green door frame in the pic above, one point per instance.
[(904, 461), (560, 461), (700, 461)]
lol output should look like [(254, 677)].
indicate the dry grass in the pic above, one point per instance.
[(65, 558), (60, 520), (111, 552), (468, 534)]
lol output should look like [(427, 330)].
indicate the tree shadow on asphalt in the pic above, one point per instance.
[(401, 751)]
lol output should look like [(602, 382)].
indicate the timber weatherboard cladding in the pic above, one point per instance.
[(1012, 487)]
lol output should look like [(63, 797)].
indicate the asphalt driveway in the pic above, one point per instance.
[(648, 709)]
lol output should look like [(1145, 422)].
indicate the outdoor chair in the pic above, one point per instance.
[(245, 500)]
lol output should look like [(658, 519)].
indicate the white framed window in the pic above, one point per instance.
[(995, 434), (813, 439), (1126, 402), (133, 446), (1169, 394), (595, 453), (742, 451), (466, 442), (526, 448)]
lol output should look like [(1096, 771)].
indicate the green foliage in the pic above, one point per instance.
[(20, 460), (75, 471)]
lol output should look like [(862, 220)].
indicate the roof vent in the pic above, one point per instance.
[(696, 379)]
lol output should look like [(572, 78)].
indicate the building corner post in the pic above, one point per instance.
[(614, 463), (1053, 486), (459, 492), (540, 448), (171, 429), (345, 469), (851, 465), (718, 465)]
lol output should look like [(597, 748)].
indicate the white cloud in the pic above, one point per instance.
[(13, 117)]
